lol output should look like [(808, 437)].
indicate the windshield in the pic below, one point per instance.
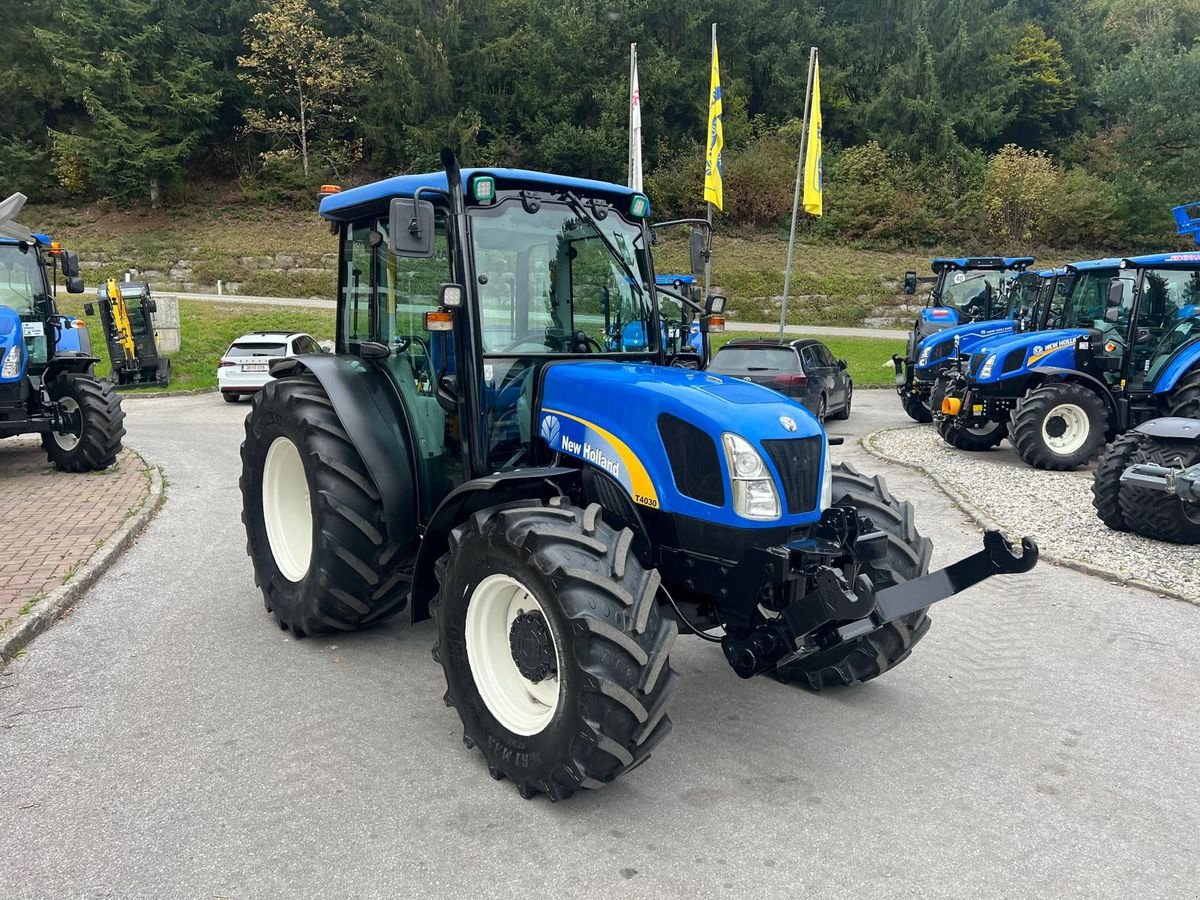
[(755, 359), (21, 278), (973, 292), (548, 282)]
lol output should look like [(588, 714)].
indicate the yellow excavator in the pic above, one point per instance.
[(127, 314)]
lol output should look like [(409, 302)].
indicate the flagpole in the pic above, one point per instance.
[(708, 203), (632, 70), (787, 272)]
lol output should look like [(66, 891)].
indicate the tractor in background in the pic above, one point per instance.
[(127, 317), (966, 290), (476, 452), (47, 380)]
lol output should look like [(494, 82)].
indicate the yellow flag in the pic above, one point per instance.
[(813, 182), (714, 188)]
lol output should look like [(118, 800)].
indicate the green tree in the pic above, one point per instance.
[(1043, 86), (1017, 188), (141, 107)]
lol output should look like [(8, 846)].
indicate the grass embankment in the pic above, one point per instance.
[(865, 357)]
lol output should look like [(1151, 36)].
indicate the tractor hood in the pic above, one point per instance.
[(941, 344), (1018, 354), (657, 431), (10, 336)]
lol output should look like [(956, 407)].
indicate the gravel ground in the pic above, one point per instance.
[(1055, 507)]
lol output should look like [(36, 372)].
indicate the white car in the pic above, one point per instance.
[(245, 367)]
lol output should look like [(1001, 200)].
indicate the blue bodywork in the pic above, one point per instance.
[(938, 349), (1019, 263), (10, 336), (1187, 219), (586, 405)]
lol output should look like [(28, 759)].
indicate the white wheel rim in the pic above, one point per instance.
[(69, 441), (1075, 428), (520, 705), (287, 511), (982, 430)]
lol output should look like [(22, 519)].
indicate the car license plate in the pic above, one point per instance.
[(254, 367)]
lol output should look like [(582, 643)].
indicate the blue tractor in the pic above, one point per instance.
[(47, 380), (561, 509), (1133, 354), (966, 291)]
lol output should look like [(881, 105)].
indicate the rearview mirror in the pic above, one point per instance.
[(410, 228), (910, 282), (74, 285), (698, 251), (1116, 293), (70, 264)]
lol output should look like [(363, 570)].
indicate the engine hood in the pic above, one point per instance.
[(1037, 349), (611, 416), (940, 345)]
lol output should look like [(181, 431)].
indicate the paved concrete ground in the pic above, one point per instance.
[(54, 521), (168, 740)]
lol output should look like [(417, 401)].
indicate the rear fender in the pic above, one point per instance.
[(1171, 427), (70, 363), (469, 498), (1186, 359), (377, 424)]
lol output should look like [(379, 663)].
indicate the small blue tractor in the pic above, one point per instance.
[(47, 381), (1133, 354), (966, 290), (561, 509)]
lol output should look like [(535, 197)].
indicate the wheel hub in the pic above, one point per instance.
[(532, 646), (1056, 427)]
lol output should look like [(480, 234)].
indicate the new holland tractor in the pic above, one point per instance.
[(966, 291), (1134, 356), (47, 385), (561, 509)]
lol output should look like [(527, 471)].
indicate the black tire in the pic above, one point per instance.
[(916, 408), (600, 606), (936, 394), (356, 575), (162, 374), (844, 412), (908, 557), (1106, 481), (230, 397), (1154, 514), (974, 439), (101, 423), (822, 408), (1185, 398), (1036, 409)]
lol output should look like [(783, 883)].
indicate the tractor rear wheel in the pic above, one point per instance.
[(553, 646), (314, 525), (1185, 398), (907, 557), (1154, 514), (95, 420), (1059, 426), (916, 408), (985, 437), (1106, 482)]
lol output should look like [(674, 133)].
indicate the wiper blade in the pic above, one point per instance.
[(580, 210)]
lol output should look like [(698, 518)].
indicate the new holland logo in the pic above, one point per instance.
[(550, 431), (788, 423)]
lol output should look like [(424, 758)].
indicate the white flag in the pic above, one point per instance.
[(635, 123)]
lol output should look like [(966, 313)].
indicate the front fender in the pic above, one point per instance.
[(1186, 358)]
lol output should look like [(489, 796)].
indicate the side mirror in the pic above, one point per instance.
[(842, 365), (910, 282), (1116, 293), (74, 284), (715, 304), (89, 309), (698, 251), (1111, 315), (410, 228), (70, 263)]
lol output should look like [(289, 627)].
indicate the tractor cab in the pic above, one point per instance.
[(967, 290), (47, 384)]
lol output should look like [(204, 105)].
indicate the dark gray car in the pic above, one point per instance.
[(804, 369)]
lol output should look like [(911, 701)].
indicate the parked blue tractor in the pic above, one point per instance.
[(969, 301), (47, 381), (562, 509), (1133, 354)]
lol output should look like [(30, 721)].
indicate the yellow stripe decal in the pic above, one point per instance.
[(639, 479)]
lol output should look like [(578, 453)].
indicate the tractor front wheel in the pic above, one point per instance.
[(1154, 514), (985, 437), (94, 420), (916, 408), (907, 557), (1106, 482), (553, 646), (314, 525), (1059, 426)]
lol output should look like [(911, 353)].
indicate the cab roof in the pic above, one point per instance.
[(980, 262), (1087, 265), (42, 240), (373, 198), (1183, 260)]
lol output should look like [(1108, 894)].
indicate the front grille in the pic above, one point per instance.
[(693, 457), (798, 462)]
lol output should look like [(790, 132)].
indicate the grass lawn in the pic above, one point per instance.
[(865, 357)]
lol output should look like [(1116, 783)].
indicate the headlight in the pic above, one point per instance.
[(12, 362), (754, 493), (923, 359), (988, 365), (827, 481)]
